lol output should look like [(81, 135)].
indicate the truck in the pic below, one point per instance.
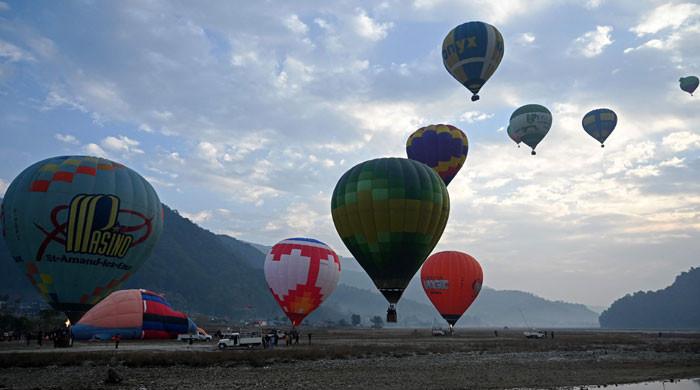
[(201, 335), (241, 339)]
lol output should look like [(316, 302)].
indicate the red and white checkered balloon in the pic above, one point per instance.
[(301, 273)]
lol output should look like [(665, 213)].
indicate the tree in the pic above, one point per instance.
[(377, 322), (343, 322), (355, 319)]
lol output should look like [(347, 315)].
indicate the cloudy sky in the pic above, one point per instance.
[(243, 115)]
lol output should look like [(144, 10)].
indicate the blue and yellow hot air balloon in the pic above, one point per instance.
[(441, 147), (689, 84), (529, 124), (599, 124), (471, 52), (78, 227)]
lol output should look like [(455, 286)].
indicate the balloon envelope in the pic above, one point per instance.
[(451, 280), (133, 314), (689, 84), (530, 123), (301, 273), (513, 136), (390, 213), (78, 227), (471, 52), (600, 123), (441, 147)]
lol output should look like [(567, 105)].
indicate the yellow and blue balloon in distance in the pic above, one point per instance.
[(441, 147), (471, 52), (529, 124), (689, 84), (599, 124), (78, 227)]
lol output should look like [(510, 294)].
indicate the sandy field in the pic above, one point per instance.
[(367, 359)]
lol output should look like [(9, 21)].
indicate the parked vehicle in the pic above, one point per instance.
[(243, 339), (199, 336), (534, 334), (438, 332)]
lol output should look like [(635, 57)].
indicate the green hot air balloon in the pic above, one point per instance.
[(390, 213), (529, 124), (78, 227)]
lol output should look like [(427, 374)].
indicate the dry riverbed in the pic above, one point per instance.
[(391, 359)]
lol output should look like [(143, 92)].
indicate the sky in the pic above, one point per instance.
[(243, 116)]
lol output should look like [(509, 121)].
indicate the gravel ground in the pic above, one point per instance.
[(388, 359)]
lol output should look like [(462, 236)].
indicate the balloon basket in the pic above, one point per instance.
[(533, 153), (391, 314), (475, 98)]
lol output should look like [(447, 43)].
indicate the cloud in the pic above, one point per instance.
[(681, 141), (526, 39), (474, 116), (121, 144), (368, 28), (295, 25), (4, 6), (67, 138), (198, 217), (95, 150), (3, 187), (668, 15), (12, 53), (592, 43)]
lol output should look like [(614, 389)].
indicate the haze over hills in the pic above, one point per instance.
[(674, 307), (201, 272)]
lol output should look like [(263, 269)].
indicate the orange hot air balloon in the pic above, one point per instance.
[(451, 280)]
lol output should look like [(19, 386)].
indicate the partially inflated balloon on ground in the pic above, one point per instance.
[(689, 84), (78, 227), (451, 280), (599, 124), (133, 314), (441, 147), (301, 273), (530, 123), (471, 52), (390, 213)]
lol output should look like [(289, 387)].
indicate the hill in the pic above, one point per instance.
[(674, 307), (204, 273)]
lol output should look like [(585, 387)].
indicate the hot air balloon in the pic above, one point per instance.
[(599, 124), (471, 53), (133, 314), (441, 147), (530, 123), (451, 280), (689, 84), (513, 136), (79, 227), (390, 213), (301, 273)]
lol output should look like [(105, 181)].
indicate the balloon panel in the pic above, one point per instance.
[(79, 227), (451, 280), (441, 147), (390, 213), (301, 273), (471, 52)]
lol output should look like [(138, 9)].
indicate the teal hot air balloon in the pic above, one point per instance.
[(689, 84), (390, 213), (530, 123), (599, 124), (78, 227), (471, 52)]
